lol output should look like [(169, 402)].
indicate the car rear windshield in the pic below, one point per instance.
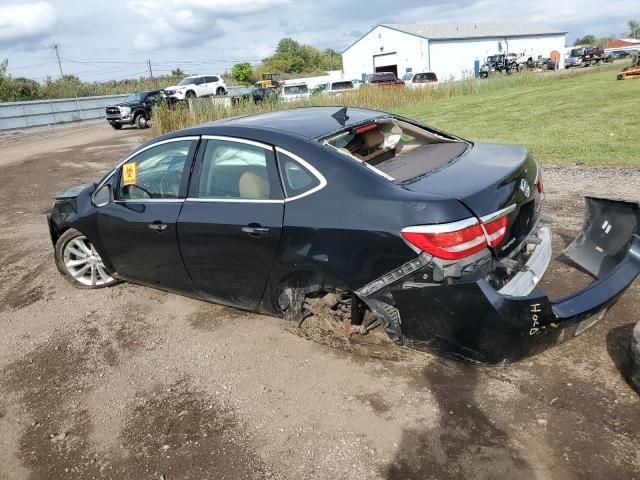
[(295, 89), (341, 85), (397, 149), (383, 77), (426, 77)]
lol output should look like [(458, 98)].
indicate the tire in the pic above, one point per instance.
[(141, 121), (116, 126), (221, 91), (190, 94), (634, 367), (79, 263)]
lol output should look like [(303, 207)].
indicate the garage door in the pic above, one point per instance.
[(384, 60)]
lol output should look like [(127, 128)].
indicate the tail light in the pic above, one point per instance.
[(450, 241), (539, 181), (453, 241), (496, 231)]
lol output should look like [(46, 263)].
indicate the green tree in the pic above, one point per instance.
[(634, 29), (178, 73), (242, 73), (331, 60), (586, 40), (293, 57)]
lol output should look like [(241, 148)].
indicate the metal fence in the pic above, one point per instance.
[(38, 113)]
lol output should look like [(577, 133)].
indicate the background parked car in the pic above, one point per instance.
[(134, 109), (264, 95), (339, 87), (384, 79), (198, 86), (421, 79), (294, 91)]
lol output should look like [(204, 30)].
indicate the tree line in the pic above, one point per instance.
[(290, 59), (633, 32)]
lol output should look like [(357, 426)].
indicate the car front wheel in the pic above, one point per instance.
[(80, 263), (141, 121)]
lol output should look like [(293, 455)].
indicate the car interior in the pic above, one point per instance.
[(230, 171), (396, 149)]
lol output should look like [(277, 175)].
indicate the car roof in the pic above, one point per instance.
[(309, 122)]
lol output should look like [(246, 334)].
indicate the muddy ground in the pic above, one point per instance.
[(134, 383)]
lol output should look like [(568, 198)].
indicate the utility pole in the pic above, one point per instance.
[(150, 71), (57, 54)]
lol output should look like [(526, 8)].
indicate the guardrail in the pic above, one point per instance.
[(38, 113)]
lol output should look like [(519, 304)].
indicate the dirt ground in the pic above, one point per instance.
[(134, 383)]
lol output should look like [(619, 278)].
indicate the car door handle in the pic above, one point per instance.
[(255, 230), (158, 227)]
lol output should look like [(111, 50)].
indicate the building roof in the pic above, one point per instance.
[(440, 31), (624, 42)]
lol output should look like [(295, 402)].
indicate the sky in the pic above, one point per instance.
[(101, 40)]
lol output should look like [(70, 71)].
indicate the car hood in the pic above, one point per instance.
[(125, 104), (73, 192)]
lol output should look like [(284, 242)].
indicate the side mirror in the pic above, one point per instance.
[(103, 196)]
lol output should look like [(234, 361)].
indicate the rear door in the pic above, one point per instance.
[(231, 222), (138, 229)]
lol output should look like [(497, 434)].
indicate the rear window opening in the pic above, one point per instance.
[(396, 149)]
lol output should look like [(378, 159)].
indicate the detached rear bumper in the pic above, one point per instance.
[(478, 323)]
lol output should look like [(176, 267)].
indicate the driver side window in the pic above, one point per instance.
[(155, 173)]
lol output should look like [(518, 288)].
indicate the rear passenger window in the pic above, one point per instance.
[(234, 170), (295, 178)]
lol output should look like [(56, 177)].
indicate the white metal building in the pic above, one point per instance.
[(451, 50)]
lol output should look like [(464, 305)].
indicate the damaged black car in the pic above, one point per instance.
[(369, 217)]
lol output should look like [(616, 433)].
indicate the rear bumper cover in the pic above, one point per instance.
[(475, 322)]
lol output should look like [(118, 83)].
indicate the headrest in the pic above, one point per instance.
[(252, 186), (371, 139)]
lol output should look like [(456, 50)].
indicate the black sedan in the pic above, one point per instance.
[(362, 215)]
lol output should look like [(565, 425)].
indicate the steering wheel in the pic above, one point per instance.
[(170, 184), (145, 191)]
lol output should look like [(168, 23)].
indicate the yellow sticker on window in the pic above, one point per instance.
[(129, 174)]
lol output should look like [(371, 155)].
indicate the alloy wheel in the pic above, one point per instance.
[(84, 264)]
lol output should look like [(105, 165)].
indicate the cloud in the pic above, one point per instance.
[(25, 24), (185, 23)]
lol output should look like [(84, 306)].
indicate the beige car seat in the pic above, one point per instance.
[(252, 186)]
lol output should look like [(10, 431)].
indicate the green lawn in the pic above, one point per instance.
[(590, 119)]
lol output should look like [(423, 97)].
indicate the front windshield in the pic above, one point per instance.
[(492, 59), (295, 90), (134, 97), (577, 52), (187, 81)]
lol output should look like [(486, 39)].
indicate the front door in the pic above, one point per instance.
[(230, 225), (138, 230)]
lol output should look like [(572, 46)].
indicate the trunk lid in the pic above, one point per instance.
[(489, 178)]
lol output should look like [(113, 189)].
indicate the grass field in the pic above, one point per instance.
[(582, 116), (590, 118)]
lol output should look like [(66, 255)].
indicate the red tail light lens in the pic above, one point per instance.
[(450, 241), (453, 241), (496, 231), (539, 181)]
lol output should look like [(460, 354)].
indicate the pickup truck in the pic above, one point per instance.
[(134, 109)]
